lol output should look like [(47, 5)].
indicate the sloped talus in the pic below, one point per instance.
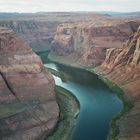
[(123, 67)]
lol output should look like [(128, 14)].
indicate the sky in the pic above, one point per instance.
[(29, 6)]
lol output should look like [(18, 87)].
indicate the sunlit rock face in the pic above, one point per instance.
[(69, 33), (92, 39), (28, 107), (123, 67), (124, 61)]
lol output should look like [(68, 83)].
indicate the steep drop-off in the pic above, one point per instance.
[(123, 67), (39, 34), (102, 42), (38, 29), (28, 108), (90, 40)]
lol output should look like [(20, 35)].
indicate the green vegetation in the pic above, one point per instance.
[(60, 60), (127, 106), (54, 72), (59, 74), (69, 110), (127, 103), (43, 55)]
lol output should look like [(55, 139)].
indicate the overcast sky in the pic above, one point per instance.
[(69, 5)]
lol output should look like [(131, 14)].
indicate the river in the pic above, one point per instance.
[(98, 104)]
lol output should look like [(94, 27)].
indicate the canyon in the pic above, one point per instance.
[(110, 45), (123, 67), (114, 49), (90, 40), (28, 107), (120, 63), (39, 29), (82, 37)]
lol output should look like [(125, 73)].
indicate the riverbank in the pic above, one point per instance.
[(127, 106), (69, 110), (127, 103)]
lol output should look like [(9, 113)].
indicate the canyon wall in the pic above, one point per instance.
[(124, 62), (28, 107), (66, 33), (97, 41), (102, 43), (39, 34), (38, 29), (90, 40), (84, 37), (122, 66)]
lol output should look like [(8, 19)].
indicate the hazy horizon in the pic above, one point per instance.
[(66, 12), (33, 6)]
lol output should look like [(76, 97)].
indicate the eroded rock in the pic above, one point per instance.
[(28, 107), (123, 67), (92, 39)]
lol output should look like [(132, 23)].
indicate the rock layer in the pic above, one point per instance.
[(91, 39), (38, 34), (38, 29), (28, 107), (124, 62), (123, 67), (79, 33)]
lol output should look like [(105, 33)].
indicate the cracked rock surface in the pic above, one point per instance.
[(28, 107)]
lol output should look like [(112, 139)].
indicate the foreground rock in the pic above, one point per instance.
[(123, 67), (28, 108)]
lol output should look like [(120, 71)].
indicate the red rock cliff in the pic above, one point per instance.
[(39, 29), (124, 62), (91, 39), (28, 108), (123, 67)]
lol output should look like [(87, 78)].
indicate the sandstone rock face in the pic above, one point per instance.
[(28, 107), (39, 29), (123, 67), (78, 34), (91, 39), (125, 61), (39, 34)]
